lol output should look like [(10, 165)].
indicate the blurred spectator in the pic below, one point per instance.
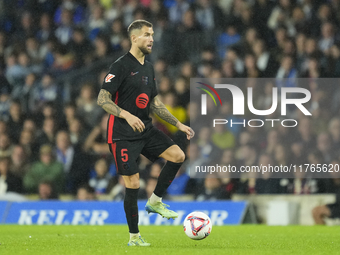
[(281, 155), (96, 140), (33, 51), (306, 136), (334, 61), (63, 60), (45, 91), (46, 169), (27, 141), (24, 93), (18, 68), (286, 74), (30, 125), (189, 38), (102, 47), (87, 106), (272, 141), (327, 37), (102, 180), (70, 110), (95, 21), (115, 11), (298, 155), (81, 47), (75, 163), (165, 85), (8, 181), (5, 145), (49, 111), (251, 70), (73, 7), (118, 33), (46, 29), (26, 27), (324, 145), (47, 135), (222, 137), (230, 182), (177, 10), (302, 183), (16, 120), (182, 91), (212, 190), (207, 150), (46, 191), (249, 158), (267, 183), (20, 162), (265, 61), (3, 127), (209, 15), (77, 132), (229, 37), (64, 29), (193, 159), (5, 98), (85, 193)]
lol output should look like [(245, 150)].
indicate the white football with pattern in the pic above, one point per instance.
[(197, 225)]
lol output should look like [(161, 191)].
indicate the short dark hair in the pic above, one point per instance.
[(138, 24)]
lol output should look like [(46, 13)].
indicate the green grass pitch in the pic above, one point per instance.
[(244, 239)]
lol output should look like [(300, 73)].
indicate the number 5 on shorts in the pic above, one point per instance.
[(125, 156)]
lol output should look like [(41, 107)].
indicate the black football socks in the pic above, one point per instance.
[(166, 177), (131, 209)]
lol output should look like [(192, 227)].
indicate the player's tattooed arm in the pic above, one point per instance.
[(159, 108), (105, 101)]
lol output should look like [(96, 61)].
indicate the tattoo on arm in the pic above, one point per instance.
[(159, 108), (105, 101)]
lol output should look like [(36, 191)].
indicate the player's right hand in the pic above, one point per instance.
[(135, 123)]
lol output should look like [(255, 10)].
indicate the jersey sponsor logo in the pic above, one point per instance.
[(142, 101), (109, 77), (145, 80), (132, 73)]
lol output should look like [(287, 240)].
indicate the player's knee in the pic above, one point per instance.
[(180, 156), (133, 183)]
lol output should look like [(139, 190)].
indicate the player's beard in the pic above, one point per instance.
[(145, 50)]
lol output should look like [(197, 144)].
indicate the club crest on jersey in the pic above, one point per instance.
[(145, 80), (109, 77)]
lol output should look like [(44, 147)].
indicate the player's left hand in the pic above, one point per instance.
[(187, 130)]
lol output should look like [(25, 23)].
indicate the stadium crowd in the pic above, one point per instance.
[(55, 54)]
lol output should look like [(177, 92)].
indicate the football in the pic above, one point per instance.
[(197, 225)]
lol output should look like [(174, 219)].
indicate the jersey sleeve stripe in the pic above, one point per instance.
[(114, 152), (111, 122)]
